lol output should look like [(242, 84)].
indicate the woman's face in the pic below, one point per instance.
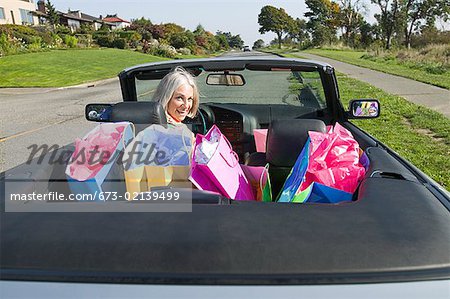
[(181, 102)]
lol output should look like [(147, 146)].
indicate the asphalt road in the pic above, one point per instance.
[(47, 116)]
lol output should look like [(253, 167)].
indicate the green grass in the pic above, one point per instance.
[(67, 67), (418, 134), (394, 67)]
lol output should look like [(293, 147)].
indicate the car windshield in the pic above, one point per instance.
[(295, 88)]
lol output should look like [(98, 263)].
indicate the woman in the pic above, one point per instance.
[(178, 94)]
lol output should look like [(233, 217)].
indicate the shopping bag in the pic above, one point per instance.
[(258, 177), (296, 176), (260, 136), (158, 156), (94, 164), (328, 169), (318, 193), (215, 163), (334, 160)]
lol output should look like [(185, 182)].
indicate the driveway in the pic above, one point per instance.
[(419, 93)]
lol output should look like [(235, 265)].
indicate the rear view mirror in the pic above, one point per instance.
[(225, 79), (364, 108), (98, 112)]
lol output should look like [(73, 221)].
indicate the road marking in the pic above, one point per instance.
[(35, 130)]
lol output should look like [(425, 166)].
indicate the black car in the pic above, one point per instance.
[(394, 235)]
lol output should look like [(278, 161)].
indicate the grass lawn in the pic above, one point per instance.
[(67, 67), (390, 66), (418, 134)]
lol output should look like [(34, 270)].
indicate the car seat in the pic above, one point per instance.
[(285, 141), (141, 114)]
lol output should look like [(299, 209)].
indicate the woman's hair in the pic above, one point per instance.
[(170, 83)]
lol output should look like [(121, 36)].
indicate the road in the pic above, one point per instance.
[(419, 93), (47, 116)]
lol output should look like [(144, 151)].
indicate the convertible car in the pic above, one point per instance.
[(394, 235)]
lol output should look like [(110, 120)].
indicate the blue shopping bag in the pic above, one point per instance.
[(108, 172), (319, 193), (296, 176)]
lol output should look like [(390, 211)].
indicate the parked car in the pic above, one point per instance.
[(392, 239)]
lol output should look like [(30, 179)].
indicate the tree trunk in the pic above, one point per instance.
[(279, 40)]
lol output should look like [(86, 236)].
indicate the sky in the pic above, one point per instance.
[(235, 16)]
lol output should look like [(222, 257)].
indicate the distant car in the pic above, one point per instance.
[(392, 238), (246, 49)]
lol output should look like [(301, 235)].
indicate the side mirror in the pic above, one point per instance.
[(98, 112), (225, 79), (364, 108)]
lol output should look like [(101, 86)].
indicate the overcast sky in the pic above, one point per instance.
[(235, 16)]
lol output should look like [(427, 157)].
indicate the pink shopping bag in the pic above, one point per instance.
[(220, 171), (260, 139)]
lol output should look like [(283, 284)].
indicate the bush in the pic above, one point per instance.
[(120, 43), (70, 41), (84, 40), (104, 40), (162, 50), (184, 51)]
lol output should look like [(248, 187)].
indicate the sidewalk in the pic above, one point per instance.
[(430, 96)]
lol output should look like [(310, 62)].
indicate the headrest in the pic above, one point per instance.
[(286, 138), (139, 113)]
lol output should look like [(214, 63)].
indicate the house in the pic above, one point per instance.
[(18, 12), (120, 23), (73, 18)]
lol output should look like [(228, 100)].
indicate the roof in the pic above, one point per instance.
[(115, 20)]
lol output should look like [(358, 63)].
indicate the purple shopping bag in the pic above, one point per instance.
[(220, 170)]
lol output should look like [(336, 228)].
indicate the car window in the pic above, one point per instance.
[(302, 89)]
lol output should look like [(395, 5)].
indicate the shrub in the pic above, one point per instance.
[(184, 51), (120, 43), (162, 50), (70, 41), (84, 40), (104, 40)]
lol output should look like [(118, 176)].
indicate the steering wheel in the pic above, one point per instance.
[(198, 123)]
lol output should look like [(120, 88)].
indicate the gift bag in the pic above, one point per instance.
[(260, 136), (95, 159), (158, 156), (215, 167), (335, 160), (328, 170), (259, 180), (318, 193)]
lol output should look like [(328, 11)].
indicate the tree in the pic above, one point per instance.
[(351, 18), (417, 12), (388, 19), (182, 40), (272, 19), (52, 14), (222, 40), (258, 44), (142, 22), (233, 41), (298, 32), (323, 20)]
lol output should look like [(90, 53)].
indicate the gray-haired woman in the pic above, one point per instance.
[(178, 94)]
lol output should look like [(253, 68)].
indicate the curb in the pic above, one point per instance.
[(89, 84)]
